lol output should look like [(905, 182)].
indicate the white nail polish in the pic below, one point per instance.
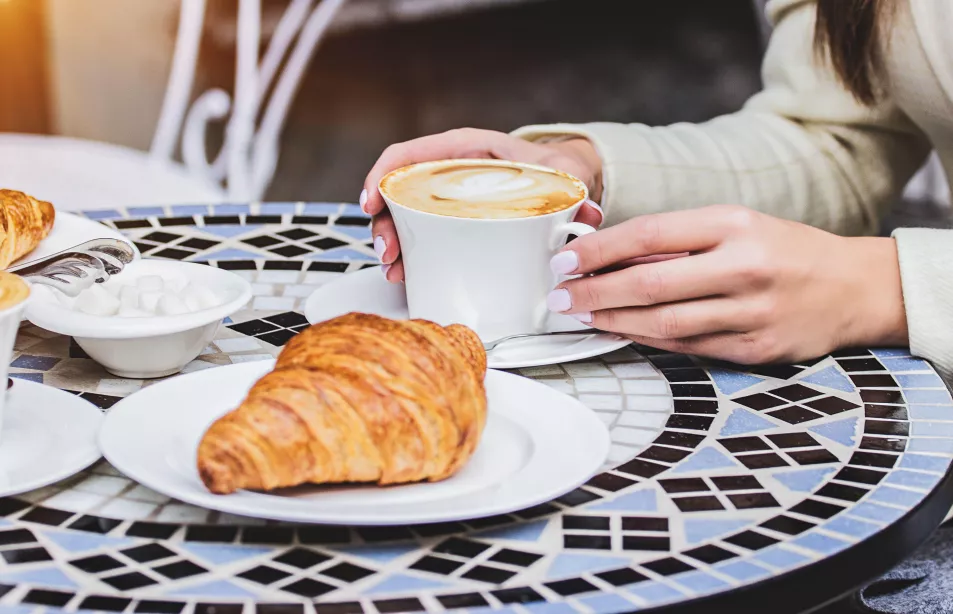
[(595, 206), (584, 317), (363, 201), (385, 269), (559, 300), (564, 263), (380, 246)]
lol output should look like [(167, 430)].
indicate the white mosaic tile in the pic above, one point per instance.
[(587, 369), (238, 344), (251, 357), (103, 485), (633, 436), (630, 371), (274, 303), (147, 495), (279, 277), (645, 387), (543, 371), (597, 384), (118, 387), (560, 385), (601, 401), (298, 291), (178, 512), (75, 500), (125, 508), (643, 403), (653, 421), (263, 289)]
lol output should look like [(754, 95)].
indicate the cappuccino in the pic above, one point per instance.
[(13, 290), (482, 189)]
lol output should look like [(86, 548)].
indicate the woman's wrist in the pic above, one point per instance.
[(583, 150), (879, 314)]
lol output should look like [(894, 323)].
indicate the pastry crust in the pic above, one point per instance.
[(24, 222), (359, 398)]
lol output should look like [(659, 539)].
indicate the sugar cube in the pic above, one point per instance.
[(97, 301), (171, 305), (150, 283)]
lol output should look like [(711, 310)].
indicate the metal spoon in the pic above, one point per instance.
[(491, 345), (77, 268)]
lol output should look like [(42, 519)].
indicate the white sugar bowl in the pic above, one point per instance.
[(140, 344)]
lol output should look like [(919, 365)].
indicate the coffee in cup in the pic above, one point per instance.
[(476, 239), (14, 293)]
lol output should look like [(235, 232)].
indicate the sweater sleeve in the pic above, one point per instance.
[(802, 149), (925, 259)]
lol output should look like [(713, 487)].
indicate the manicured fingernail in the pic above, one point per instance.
[(559, 300), (385, 269), (363, 201), (602, 213), (584, 317), (564, 263), (380, 246)]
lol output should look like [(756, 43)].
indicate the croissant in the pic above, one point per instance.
[(24, 222), (359, 398)]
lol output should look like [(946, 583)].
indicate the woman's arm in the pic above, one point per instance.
[(803, 149)]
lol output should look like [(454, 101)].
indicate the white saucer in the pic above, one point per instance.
[(367, 291), (48, 435), (538, 445), (69, 230)]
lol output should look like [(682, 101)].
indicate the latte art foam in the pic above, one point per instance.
[(488, 191), (13, 290)]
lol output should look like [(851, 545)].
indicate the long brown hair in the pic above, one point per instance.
[(851, 34)]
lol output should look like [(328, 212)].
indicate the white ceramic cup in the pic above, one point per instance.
[(492, 275), (10, 319)]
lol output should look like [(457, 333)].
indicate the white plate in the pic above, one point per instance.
[(48, 435), (367, 291), (69, 230), (538, 445)]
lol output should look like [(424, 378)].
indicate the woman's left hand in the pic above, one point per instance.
[(749, 288)]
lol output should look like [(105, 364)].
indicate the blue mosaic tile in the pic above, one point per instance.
[(742, 421), (215, 588), (228, 231), (928, 397), (931, 429), (490, 610), (323, 209), (569, 564), (705, 459), (730, 382), (918, 380), (353, 211), (379, 554), (403, 583), (698, 530), (231, 209), (17, 609), (891, 353), (899, 365), (780, 557), (854, 527), (81, 541), (655, 593), (842, 431), (927, 444), (229, 254), (37, 363), (30, 377), (104, 214), (550, 608), (354, 232), (743, 571), (140, 212), (831, 377), (818, 542), (526, 532), (222, 554), (187, 210), (874, 511), (343, 253), (804, 480), (924, 462), (913, 479), (277, 208), (930, 412), (607, 603), (700, 582), (638, 501), (47, 577), (895, 496)]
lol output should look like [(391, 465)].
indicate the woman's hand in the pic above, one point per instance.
[(576, 157), (751, 288)]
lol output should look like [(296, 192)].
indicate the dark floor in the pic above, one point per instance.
[(615, 60)]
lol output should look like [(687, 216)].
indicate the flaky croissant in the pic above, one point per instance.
[(359, 398), (24, 222)]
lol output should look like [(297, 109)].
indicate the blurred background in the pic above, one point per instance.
[(387, 71)]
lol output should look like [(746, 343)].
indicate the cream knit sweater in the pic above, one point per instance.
[(805, 150)]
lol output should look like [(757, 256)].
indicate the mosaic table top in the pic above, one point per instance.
[(725, 486)]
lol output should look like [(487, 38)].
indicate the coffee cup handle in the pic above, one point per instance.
[(571, 228)]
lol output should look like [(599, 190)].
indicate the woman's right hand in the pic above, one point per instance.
[(575, 156)]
